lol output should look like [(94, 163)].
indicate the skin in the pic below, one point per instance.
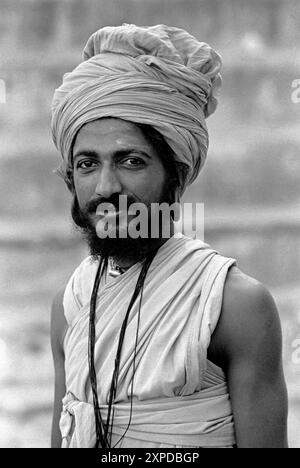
[(247, 341), (126, 164), (247, 345)]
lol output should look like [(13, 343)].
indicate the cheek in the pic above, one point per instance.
[(151, 182), (84, 188), (156, 184), (148, 188)]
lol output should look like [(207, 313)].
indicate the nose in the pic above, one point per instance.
[(108, 183)]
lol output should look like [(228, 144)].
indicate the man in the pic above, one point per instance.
[(158, 341)]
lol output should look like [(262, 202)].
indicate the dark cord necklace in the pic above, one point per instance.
[(104, 430)]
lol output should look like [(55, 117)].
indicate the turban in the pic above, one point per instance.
[(159, 76)]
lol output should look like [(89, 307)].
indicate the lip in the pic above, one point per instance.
[(103, 212), (111, 214)]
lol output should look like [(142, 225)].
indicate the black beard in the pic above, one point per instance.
[(116, 248)]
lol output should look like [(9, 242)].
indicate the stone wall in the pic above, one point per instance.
[(37, 23), (250, 184), (254, 149)]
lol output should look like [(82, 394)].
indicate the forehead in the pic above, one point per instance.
[(111, 134)]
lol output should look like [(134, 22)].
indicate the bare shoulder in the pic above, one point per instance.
[(249, 321), (247, 298), (58, 323)]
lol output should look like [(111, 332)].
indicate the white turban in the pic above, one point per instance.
[(159, 75)]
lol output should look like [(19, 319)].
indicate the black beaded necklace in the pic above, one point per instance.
[(104, 430)]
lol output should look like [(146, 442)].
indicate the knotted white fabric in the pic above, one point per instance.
[(203, 419)]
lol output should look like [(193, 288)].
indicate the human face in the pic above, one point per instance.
[(111, 157)]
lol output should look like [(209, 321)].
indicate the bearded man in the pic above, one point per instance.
[(158, 341)]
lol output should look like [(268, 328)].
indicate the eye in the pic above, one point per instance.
[(86, 164), (134, 162)]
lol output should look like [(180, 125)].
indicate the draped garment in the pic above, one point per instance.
[(179, 397)]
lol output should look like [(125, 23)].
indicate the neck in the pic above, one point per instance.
[(127, 263)]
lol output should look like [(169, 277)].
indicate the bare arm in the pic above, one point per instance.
[(248, 343), (58, 329)]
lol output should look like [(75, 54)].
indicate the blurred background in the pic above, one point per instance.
[(250, 185)]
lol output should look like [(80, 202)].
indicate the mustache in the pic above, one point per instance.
[(92, 205)]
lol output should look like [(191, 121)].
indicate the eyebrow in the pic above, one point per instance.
[(116, 154)]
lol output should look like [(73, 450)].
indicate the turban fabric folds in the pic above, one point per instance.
[(159, 76)]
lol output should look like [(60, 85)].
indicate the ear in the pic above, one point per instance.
[(66, 173), (69, 180)]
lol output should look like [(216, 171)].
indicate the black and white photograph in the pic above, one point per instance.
[(149, 226)]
